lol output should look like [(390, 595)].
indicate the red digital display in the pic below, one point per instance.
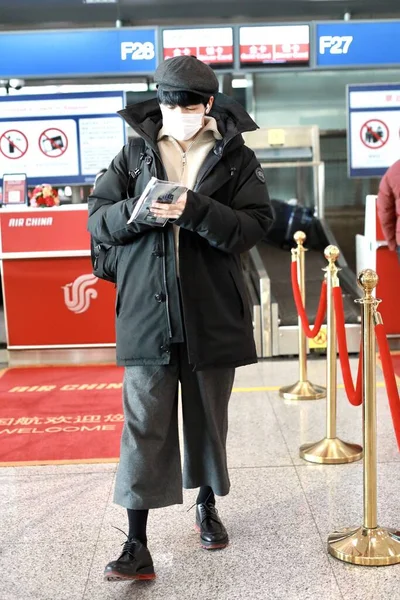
[(213, 46), (275, 45)]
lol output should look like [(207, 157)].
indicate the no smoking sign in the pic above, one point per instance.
[(13, 144), (53, 142)]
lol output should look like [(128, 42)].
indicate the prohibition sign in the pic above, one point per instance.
[(13, 144), (53, 142), (374, 133)]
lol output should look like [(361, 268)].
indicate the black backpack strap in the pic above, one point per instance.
[(135, 171), (99, 251)]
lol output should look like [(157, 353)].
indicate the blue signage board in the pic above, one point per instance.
[(373, 128), (60, 139), (77, 53), (357, 44)]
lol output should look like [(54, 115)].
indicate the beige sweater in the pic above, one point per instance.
[(183, 167)]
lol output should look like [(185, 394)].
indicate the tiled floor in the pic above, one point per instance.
[(56, 523)]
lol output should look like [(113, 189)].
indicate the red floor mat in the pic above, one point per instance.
[(60, 415)]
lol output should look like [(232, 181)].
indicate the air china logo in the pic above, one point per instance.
[(79, 293)]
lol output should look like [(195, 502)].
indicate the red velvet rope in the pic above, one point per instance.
[(354, 395), (310, 333), (390, 379)]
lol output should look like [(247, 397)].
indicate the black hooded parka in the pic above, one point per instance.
[(227, 213)]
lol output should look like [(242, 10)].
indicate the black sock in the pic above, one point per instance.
[(137, 524), (206, 495)]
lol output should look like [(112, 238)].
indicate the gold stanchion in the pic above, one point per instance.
[(331, 450), (368, 545), (303, 389)]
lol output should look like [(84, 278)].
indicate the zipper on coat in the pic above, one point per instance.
[(184, 155), (184, 161), (164, 276)]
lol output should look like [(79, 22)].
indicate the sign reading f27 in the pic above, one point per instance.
[(335, 44)]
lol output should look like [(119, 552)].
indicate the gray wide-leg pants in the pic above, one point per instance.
[(149, 473)]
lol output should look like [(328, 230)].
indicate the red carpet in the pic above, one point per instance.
[(60, 415)]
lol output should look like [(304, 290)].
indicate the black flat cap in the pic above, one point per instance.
[(186, 74)]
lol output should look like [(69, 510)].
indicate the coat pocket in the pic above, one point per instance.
[(105, 262)]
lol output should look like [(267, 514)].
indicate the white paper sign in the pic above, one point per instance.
[(100, 142), (60, 139), (375, 140), (373, 129), (39, 148)]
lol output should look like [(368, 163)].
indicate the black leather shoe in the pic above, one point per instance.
[(213, 535), (135, 562)]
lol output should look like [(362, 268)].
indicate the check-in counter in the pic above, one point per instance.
[(373, 253), (51, 297)]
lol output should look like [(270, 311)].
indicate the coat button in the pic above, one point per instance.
[(160, 297), (165, 349), (157, 253)]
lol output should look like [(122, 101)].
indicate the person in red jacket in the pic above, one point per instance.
[(389, 206)]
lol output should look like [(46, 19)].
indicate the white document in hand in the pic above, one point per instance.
[(156, 191)]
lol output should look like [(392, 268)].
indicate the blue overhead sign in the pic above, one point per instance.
[(358, 44), (77, 53)]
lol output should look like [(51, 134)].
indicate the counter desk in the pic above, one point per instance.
[(51, 298)]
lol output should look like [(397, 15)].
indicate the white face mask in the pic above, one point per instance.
[(181, 126)]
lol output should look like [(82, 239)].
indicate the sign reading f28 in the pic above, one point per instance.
[(137, 51), (77, 52), (358, 44), (138, 47)]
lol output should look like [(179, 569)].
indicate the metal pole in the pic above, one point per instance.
[(331, 254), (368, 545), (331, 450), (320, 204), (302, 389), (301, 276), (369, 407)]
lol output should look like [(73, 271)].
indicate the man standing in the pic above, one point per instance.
[(389, 206), (182, 312)]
